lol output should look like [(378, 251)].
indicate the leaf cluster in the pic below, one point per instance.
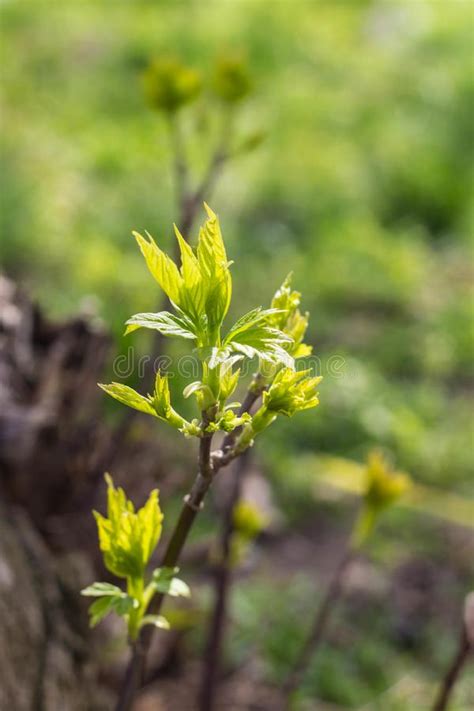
[(199, 290), (127, 540)]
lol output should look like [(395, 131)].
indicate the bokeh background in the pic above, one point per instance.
[(363, 187)]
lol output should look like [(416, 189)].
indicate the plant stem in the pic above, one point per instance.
[(447, 685), (223, 572), (318, 628), (191, 507), (222, 586)]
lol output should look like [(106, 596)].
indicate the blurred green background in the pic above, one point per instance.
[(363, 187)]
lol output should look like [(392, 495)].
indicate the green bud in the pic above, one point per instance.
[(290, 320), (169, 84), (383, 487), (291, 392), (231, 81)]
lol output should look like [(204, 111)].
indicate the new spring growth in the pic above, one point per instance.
[(383, 487), (200, 291), (127, 540), (289, 393)]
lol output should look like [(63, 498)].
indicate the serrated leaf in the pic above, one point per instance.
[(268, 344), (161, 267), (249, 320), (166, 323), (215, 272), (193, 293), (127, 538), (102, 590), (122, 605), (129, 396)]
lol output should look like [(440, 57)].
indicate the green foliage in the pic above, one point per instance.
[(200, 292), (292, 392), (158, 404), (362, 186), (127, 539)]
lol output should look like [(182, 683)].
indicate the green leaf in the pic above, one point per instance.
[(127, 538), (156, 620), (122, 605), (163, 581), (161, 267), (129, 396), (193, 388), (291, 392), (214, 268), (262, 341), (99, 609), (166, 323), (193, 293), (102, 590), (161, 398), (251, 319)]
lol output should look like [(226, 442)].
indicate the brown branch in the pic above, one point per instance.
[(464, 649), (191, 507), (318, 628), (223, 572), (222, 585)]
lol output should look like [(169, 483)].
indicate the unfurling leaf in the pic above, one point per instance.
[(291, 392), (129, 396), (200, 290), (127, 538), (158, 404), (161, 267), (110, 598), (289, 319)]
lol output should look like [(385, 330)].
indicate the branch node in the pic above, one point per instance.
[(194, 507)]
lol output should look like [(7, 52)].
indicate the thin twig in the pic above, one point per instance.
[(180, 163), (318, 628), (223, 571), (447, 685), (222, 585), (191, 506)]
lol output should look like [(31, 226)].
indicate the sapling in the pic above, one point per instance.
[(199, 292), (382, 488)]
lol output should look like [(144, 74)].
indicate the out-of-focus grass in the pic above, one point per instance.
[(362, 186)]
